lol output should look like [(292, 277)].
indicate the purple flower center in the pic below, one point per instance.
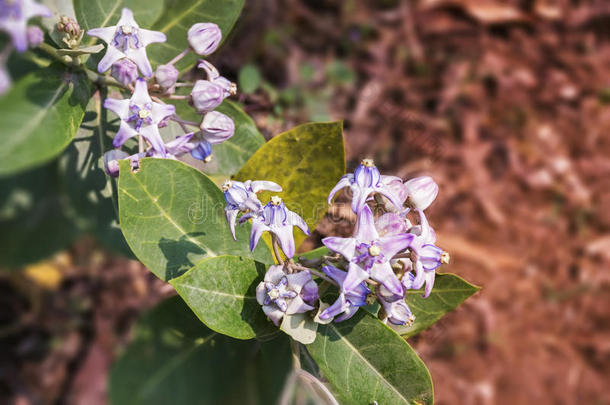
[(140, 115), (10, 9), (126, 37), (278, 293), (368, 255)]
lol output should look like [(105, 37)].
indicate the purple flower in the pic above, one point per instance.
[(140, 116), (35, 36), (202, 151), (204, 38), (422, 191), (180, 145), (126, 40), (166, 76), (278, 220), (124, 71), (286, 294), (111, 161), (369, 254), (207, 95), (348, 302), (396, 309), (365, 180), (217, 127), (241, 197), (14, 16)]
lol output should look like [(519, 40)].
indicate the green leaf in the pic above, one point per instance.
[(316, 253), (175, 359), (249, 79), (41, 114), (91, 192), (307, 161), (32, 220), (172, 217), (222, 293), (365, 361), (449, 291), (179, 15)]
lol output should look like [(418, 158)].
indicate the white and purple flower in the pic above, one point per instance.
[(204, 38), (369, 253), (126, 40), (140, 116), (277, 219), (241, 197), (14, 16), (349, 300), (366, 180), (286, 294)]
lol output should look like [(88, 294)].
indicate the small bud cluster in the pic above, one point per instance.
[(387, 255), (144, 113), (71, 32), (14, 16)]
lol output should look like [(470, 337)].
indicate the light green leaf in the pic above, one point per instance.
[(40, 115), (449, 291), (172, 217), (249, 79), (365, 361), (81, 51), (32, 220), (91, 192), (179, 15), (175, 359), (307, 161), (222, 293)]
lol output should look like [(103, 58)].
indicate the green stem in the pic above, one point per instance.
[(296, 354)]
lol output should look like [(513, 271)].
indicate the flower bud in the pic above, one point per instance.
[(422, 191), (35, 36), (202, 151), (204, 38), (217, 127), (166, 76), (111, 161), (124, 71), (207, 95), (69, 26)]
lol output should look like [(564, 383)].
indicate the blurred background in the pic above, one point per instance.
[(504, 103)]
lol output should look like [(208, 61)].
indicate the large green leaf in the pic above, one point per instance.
[(91, 192), (40, 115), (365, 361), (179, 15), (222, 293), (307, 162), (229, 156), (449, 291), (175, 359), (32, 220), (172, 217)]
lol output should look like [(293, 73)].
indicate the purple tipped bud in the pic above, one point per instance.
[(69, 25), (166, 76), (124, 71), (111, 161), (204, 38), (207, 95), (202, 151), (35, 36), (217, 127), (422, 191)]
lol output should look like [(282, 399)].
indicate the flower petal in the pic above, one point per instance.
[(344, 182), (391, 245), (296, 220), (365, 227), (257, 230), (119, 107), (161, 111), (150, 37), (152, 135), (383, 273), (297, 306), (275, 274), (344, 246), (261, 292), (259, 185), (286, 239), (124, 133), (140, 94), (111, 56), (355, 276), (273, 313), (127, 18), (139, 57), (106, 34), (231, 216)]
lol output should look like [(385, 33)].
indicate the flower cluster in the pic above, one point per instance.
[(14, 17), (387, 255), (144, 113)]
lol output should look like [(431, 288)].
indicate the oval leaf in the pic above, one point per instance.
[(222, 293), (40, 115), (449, 291), (365, 361), (172, 217), (307, 162), (175, 359)]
